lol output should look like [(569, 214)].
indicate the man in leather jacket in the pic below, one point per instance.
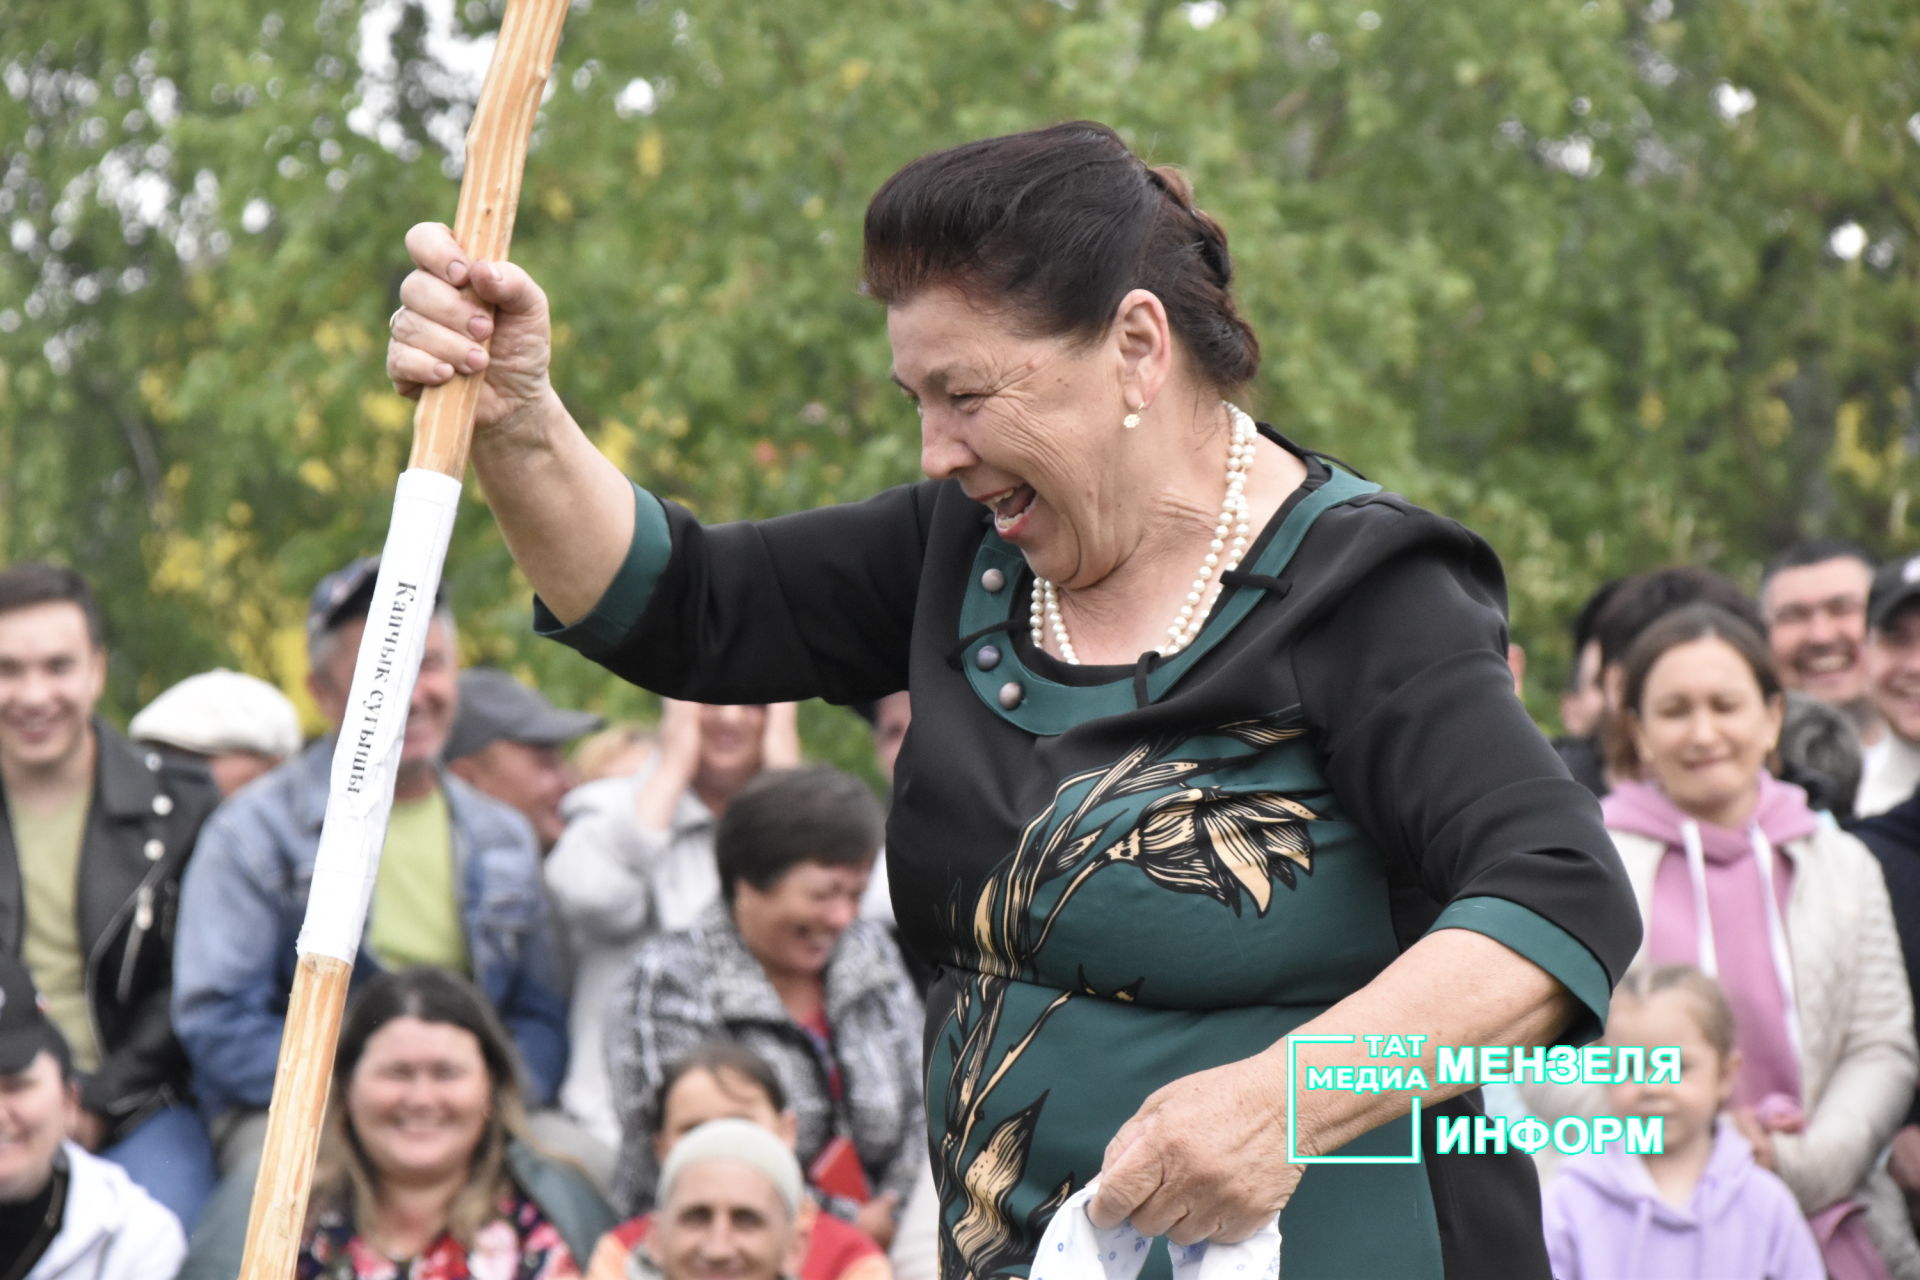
[(94, 838)]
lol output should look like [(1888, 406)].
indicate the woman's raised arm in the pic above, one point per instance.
[(565, 511)]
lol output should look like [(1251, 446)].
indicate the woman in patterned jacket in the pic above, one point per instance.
[(783, 966)]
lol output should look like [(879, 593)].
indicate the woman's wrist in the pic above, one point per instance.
[(1416, 1003), (1270, 1099), (566, 512), (535, 432)]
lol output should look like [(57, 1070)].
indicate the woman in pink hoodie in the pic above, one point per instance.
[(1737, 875), (1700, 1207)]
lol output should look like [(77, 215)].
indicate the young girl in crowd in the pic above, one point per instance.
[(718, 1080), (1700, 1208)]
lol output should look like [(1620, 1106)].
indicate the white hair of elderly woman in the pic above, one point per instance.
[(735, 1139)]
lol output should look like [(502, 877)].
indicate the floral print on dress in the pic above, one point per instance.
[(1154, 810), (519, 1244)]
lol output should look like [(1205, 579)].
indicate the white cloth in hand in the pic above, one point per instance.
[(1074, 1249)]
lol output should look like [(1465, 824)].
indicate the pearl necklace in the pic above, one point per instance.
[(1228, 545)]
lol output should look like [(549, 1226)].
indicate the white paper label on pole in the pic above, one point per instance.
[(367, 756)]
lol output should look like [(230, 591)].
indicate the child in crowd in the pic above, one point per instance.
[(718, 1080), (1700, 1208)]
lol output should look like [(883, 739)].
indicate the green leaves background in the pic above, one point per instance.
[(1567, 272)]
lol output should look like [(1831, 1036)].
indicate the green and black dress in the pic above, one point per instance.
[(1129, 874)]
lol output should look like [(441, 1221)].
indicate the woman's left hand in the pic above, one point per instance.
[(1205, 1158)]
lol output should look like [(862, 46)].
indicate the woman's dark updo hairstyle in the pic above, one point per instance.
[(1057, 225)]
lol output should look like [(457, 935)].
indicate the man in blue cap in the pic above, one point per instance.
[(458, 887)]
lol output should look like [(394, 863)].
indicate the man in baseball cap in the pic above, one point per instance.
[(1891, 767), (74, 1213), (509, 741), (346, 594)]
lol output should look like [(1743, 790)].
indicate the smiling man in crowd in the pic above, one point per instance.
[(458, 887), (1814, 596), (94, 833)]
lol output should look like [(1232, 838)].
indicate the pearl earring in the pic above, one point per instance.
[(1222, 558), (1132, 420)]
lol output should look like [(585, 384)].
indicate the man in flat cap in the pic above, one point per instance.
[(510, 742), (234, 725)]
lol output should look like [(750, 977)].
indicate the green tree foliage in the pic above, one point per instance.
[(1616, 284)]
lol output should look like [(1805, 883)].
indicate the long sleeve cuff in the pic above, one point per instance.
[(1547, 945), (619, 608)]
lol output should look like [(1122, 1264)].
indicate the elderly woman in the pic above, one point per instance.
[(1214, 742), (731, 1204), (424, 1168), (782, 965), (719, 1080), (1736, 872)]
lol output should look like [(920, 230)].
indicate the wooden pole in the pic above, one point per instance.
[(489, 198), (278, 1216), (366, 757)]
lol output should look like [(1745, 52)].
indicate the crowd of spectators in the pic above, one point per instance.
[(160, 882), (629, 1001)]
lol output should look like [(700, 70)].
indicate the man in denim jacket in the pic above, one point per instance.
[(458, 888)]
